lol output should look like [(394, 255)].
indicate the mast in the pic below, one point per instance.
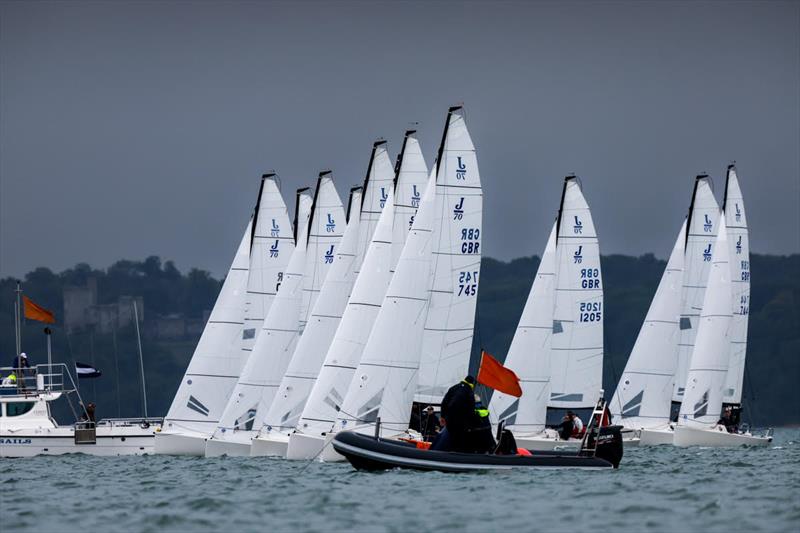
[(375, 146), (561, 203), (399, 162), (691, 206), (141, 359), (264, 178), (18, 320), (298, 195)]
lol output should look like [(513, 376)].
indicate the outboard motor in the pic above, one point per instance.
[(608, 444)]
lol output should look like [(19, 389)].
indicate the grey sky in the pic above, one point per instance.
[(143, 128)]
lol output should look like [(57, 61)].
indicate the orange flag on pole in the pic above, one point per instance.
[(496, 376), (36, 312)]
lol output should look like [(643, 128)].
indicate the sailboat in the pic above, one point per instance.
[(716, 367), (558, 345), (226, 342), (446, 230), (235, 428), (303, 368), (643, 397), (344, 354)]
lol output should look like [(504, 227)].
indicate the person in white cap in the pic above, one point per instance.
[(21, 361)]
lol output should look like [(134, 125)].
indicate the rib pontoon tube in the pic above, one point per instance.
[(370, 453)]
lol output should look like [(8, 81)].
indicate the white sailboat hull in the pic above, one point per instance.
[(656, 437), (329, 455), (716, 437), (110, 442), (236, 445), (180, 444), (304, 446), (274, 445), (545, 442)]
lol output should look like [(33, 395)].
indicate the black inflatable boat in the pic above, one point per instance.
[(603, 450)]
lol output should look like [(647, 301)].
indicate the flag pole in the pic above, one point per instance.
[(141, 359), (47, 332), (18, 318)]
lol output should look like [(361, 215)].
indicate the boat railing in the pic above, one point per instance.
[(143, 422), (36, 379)]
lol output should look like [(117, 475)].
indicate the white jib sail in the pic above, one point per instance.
[(282, 321), (217, 360), (644, 393), (308, 357), (739, 255), (344, 354), (271, 246), (529, 353), (702, 401), (577, 344), (384, 382), (411, 177), (324, 237), (701, 232), (447, 339), (378, 183)]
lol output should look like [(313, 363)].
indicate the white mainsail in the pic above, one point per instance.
[(455, 271), (378, 183), (217, 360), (739, 255), (529, 354), (701, 232), (702, 401), (271, 246), (312, 346), (410, 180), (644, 393), (383, 384), (577, 343), (284, 314)]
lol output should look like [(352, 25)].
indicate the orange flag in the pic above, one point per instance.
[(496, 376), (36, 312)]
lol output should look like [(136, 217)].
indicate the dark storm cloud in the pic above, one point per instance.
[(143, 128)]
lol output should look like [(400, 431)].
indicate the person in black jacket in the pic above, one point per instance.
[(458, 414)]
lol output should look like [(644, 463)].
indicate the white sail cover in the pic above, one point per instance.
[(378, 183), (577, 344), (644, 393), (271, 246), (385, 380), (278, 330), (739, 254), (344, 354), (447, 340), (217, 360), (529, 354), (308, 357), (702, 402), (411, 177), (701, 233)]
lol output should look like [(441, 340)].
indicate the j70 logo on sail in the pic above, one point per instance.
[(461, 170), (273, 250), (578, 257), (739, 245), (329, 255), (578, 227), (707, 253), (414, 197), (707, 225), (458, 210), (738, 213), (331, 225), (383, 197), (275, 230)]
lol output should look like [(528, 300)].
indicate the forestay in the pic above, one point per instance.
[(577, 345), (739, 254), (312, 346), (217, 360), (281, 322), (644, 394), (701, 231), (702, 403), (529, 354), (457, 218)]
